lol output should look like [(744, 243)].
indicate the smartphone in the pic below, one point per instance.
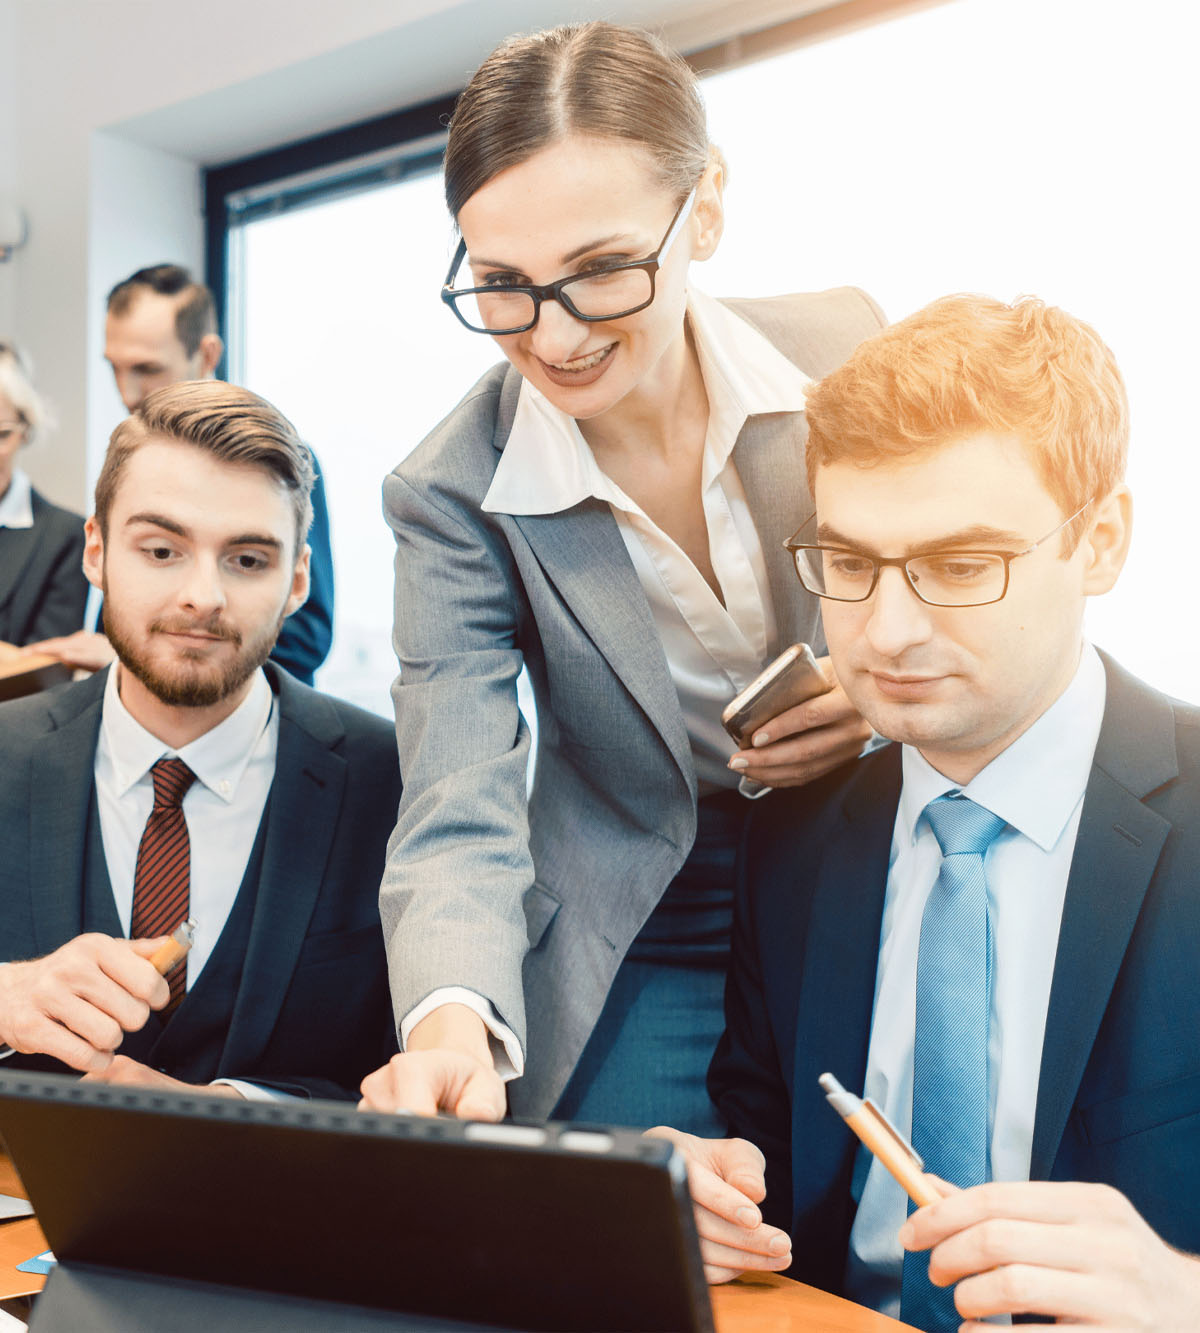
[(787, 681)]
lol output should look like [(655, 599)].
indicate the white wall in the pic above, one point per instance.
[(8, 146), (108, 109)]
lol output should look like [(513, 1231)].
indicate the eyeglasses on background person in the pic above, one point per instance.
[(611, 292), (941, 578)]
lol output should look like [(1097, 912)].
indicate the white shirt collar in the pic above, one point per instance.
[(218, 758), (546, 465), (1036, 783), (16, 504)]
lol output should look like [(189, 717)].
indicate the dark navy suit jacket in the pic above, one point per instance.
[(42, 588), (1119, 1091), (299, 993)]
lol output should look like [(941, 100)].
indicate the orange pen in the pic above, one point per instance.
[(883, 1139)]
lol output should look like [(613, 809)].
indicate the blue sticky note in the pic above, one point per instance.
[(40, 1263)]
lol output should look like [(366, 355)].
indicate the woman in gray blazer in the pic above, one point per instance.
[(605, 511), (42, 588)]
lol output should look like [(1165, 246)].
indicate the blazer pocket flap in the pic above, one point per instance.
[(1135, 1112), (541, 907)]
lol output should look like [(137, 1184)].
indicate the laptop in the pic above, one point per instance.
[(190, 1211)]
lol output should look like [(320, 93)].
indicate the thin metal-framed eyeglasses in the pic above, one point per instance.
[(611, 292), (941, 578)]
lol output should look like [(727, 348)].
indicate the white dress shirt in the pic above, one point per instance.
[(234, 764), (16, 504), (1037, 786), (713, 651)]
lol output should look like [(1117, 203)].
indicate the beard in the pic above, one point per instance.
[(192, 681)]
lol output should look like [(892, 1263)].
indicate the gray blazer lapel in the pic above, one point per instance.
[(769, 457), (61, 781), (302, 814), (1117, 849), (581, 552), (583, 555)]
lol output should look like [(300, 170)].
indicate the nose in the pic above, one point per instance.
[(558, 335), (202, 590), (899, 620), (129, 387)]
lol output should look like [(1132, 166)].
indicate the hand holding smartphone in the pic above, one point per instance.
[(790, 679)]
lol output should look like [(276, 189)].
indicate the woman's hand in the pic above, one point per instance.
[(805, 742)]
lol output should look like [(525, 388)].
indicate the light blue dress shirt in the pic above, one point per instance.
[(1037, 786)]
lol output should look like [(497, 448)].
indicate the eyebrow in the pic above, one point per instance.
[(978, 536), (170, 525), (569, 258)]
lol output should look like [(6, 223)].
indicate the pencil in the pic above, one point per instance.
[(883, 1139)]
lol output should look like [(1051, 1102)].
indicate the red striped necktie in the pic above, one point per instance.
[(162, 880)]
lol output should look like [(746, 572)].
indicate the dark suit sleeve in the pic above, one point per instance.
[(60, 607), (744, 1079), (306, 636)]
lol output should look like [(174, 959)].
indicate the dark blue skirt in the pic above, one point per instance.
[(646, 1060)]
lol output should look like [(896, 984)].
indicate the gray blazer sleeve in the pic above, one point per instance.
[(451, 899)]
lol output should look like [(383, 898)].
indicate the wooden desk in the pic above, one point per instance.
[(761, 1304)]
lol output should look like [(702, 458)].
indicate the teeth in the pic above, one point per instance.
[(584, 362)]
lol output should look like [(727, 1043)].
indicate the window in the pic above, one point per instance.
[(1003, 146)]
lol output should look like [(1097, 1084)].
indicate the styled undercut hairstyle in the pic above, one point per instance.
[(967, 364), (16, 384), (583, 78), (195, 309), (231, 423)]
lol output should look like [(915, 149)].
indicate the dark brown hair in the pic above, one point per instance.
[(230, 423), (195, 309), (586, 78)]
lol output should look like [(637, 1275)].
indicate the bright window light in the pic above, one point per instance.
[(999, 146)]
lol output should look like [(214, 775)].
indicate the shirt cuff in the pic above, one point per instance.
[(753, 790), (506, 1050), (254, 1092)]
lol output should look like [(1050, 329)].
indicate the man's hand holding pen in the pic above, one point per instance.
[(1076, 1252), (77, 1003), (726, 1182)]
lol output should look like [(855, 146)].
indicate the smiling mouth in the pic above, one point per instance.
[(897, 686), (580, 370)]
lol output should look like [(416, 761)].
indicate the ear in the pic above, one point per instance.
[(1106, 542), (300, 582), (708, 212), (211, 350), (93, 553)]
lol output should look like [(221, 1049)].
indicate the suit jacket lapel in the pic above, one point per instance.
[(61, 783), (837, 991), (301, 814), (769, 457), (1116, 851), (583, 555)]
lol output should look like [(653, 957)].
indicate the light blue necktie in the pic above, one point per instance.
[(950, 1052)]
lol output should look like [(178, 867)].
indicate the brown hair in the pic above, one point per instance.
[(587, 78), (231, 423), (195, 309), (970, 363)]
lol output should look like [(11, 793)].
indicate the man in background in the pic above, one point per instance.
[(161, 329), (991, 925), (191, 780)]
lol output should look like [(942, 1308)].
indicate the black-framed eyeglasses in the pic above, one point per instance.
[(611, 292), (941, 578)]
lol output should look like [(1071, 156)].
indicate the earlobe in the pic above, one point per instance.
[(1107, 541), (93, 553), (709, 209), (300, 583), (211, 351)]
